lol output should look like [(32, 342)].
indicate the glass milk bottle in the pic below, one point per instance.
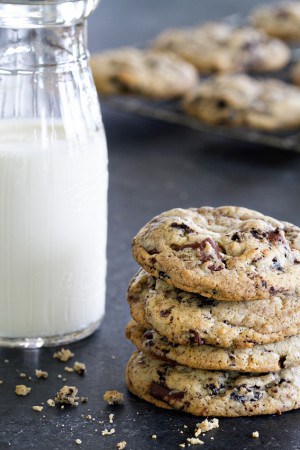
[(53, 176)]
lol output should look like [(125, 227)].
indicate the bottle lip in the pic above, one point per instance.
[(44, 13)]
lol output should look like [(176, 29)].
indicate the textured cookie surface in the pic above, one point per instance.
[(239, 100), (150, 73), (228, 253), (261, 358), (186, 318), (281, 20), (220, 47), (212, 393)]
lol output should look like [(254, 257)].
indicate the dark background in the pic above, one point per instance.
[(153, 167)]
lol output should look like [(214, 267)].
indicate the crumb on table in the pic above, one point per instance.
[(107, 432), (205, 426), (121, 445), (41, 374), (64, 354), (51, 402), (113, 398), (67, 395), (78, 441), (79, 368), (21, 389), (255, 434), (37, 408)]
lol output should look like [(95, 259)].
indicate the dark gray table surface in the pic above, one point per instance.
[(153, 167)]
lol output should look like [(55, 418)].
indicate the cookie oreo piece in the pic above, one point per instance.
[(212, 393), (227, 253)]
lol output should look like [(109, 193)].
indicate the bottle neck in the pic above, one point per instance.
[(49, 48)]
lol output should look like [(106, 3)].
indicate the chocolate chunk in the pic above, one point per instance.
[(148, 334), (183, 227), (163, 275), (221, 104), (162, 392), (275, 237), (215, 268), (153, 251), (281, 362), (257, 234), (244, 394), (215, 390), (276, 265), (195, 338), (236, 237), (166, 312)]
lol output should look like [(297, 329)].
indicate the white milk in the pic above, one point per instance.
[(53, 220)]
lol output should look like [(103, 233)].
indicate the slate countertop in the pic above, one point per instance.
[(153, 167)]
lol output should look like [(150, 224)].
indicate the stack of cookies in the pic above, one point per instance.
[(216, 313)]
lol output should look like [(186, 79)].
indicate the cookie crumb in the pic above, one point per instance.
[(51, 402), (41, 374), (67, 395), (195, 441), (78, 441), (64, 354), (21, 389), (107, 432), (113, 398), (121, 445), (205, 426), (84, 399), (38, 408), (6, 361), (88, 417), (154, 436), (182, 445), (79, 367), (111, 418), (69, 369), (22, 375), (255, 434), (1, 381)]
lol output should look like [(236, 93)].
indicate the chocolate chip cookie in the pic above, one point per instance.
[(220, 47), (142, 72), (212, 393), (227, 253), (281, 20), (295, 73), (261, 358), (186, 318), (239, 100)]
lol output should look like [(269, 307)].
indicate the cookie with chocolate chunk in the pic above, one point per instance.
[(261, 358), (221, 47), (142, 72), (227, 253), (212, 393), (239, 100), (295, 73), (186, 318), (281, 20)]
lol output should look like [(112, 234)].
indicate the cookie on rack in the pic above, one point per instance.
[(212, 393), (281, 20), (239, 100), (227, 253), (220, 47), (142, 72), (261, 358), (295, 73), (186, 318)]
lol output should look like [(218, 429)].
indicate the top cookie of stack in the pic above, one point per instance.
[(226, 253)]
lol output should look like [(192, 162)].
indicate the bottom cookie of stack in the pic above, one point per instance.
[(206, 393)]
